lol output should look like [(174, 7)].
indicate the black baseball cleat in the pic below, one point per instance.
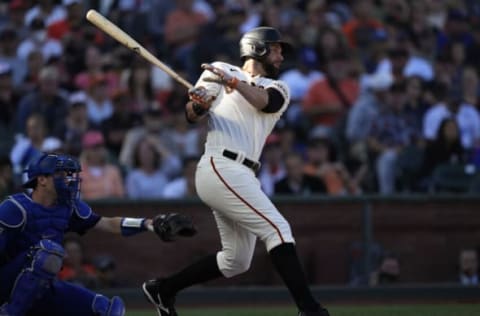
[(321, 312), (163, 302)]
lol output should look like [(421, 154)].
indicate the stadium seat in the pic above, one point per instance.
[(455, 178), (475, 185), (409, 164)]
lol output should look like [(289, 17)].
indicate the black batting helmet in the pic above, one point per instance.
[(255, 43)]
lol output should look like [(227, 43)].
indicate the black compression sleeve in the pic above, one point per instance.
[(275, 101)]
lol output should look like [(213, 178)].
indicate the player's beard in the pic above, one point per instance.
[(270, 70)]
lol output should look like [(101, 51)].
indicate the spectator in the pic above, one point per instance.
[(296, 181), (415, 108), (107, 276), (364, 111), (35, 63), (187, 139), (402, 64), (290, 140), (446, 148), (299, 79), (471, 87), (182, 28), (76, 268), (468, 267), (330, 42), (47, 10), (15, 18), (184, 186), (155, 19), (273, 166), (467, 117), (31, 145), (8, 54), (315, 21), (122, 120), (387, 273), (173, 100), (72, 22), (154, 127), (94, 63), (322, 163), (455, 30), (76, 123), (38, 40), (47, 100), (138, 81), (360, 28), (444, 69), (99, 104), (330, 98), (227, 23), (147, 179), (388, 136), (100, 178)]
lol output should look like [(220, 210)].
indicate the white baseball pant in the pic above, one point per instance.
[(242, 211)]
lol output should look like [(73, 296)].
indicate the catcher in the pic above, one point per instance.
[(32, 228)]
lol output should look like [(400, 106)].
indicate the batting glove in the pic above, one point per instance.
[(200, 96), (220, 77)]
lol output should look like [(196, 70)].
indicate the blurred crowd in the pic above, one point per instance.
[(385, 93)]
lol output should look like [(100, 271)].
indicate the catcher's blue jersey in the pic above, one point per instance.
[(23, 223)]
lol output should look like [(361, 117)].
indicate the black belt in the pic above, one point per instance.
[(255, 166)]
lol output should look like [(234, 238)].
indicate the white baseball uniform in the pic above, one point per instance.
[(242, 210)]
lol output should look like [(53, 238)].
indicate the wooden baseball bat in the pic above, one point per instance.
[(114, 31)]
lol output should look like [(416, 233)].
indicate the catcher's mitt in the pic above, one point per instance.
[(169, 226)]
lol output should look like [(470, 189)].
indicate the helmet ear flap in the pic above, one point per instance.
[(253, 48), (260, 49)]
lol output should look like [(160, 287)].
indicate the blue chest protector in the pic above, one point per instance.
[(30, 222)]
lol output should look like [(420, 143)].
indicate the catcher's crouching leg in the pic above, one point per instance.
[(34, 280), (103, 306)]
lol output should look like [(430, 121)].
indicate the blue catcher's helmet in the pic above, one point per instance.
[(65, 171)]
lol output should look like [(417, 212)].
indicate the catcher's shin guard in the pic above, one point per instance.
[(102, 306), (33, 281)]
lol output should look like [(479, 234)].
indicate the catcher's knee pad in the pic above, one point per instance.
[(103, 306), (47, 258), (232, 264), (46, 261)]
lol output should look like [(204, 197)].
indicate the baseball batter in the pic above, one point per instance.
[(242, 106)]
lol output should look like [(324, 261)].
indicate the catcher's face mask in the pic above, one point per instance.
[(65, 172), (67, 180)]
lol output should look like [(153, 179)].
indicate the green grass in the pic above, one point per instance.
[(363, 310)]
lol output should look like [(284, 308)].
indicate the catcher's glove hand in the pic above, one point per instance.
[(169, 226)]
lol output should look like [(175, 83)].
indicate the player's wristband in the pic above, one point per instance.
[(198, 109), (130, 226), (232, 83)]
